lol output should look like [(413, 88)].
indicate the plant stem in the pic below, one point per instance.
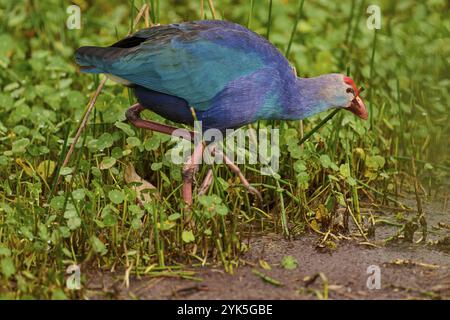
[(317, 127), (83, 123), (294, 29), (269, 20), (249, 20), (211, 8)]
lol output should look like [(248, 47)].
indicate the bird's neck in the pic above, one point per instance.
[(306, 97)]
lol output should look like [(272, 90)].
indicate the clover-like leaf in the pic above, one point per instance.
[(289, 262), (116, 196)]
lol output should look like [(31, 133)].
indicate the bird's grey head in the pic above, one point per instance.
[(341, 91)]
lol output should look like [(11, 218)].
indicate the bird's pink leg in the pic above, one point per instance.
[(189, 170), (133, 115), (206, 183)]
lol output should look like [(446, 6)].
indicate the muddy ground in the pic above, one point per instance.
[(407, 270)]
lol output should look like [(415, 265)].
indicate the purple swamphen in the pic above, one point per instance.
[(228, 74)]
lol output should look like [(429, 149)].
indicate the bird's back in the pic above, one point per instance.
[(194, 61)]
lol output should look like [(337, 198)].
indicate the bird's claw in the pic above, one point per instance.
[(255, 192)]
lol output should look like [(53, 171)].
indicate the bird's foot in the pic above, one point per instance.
[(233, 167), (206, 183), (191, 167), (244, 181)]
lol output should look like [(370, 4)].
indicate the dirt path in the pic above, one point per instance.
[(406, 271)]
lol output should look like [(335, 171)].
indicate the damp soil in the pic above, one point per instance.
[(407, 270)]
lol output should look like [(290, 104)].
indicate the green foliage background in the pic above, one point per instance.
[(92, 219)]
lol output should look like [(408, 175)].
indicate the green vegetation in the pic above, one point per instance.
[(90, 216)]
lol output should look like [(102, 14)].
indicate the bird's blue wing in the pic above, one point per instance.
[(191, 61)]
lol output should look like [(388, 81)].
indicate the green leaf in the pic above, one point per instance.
[(125, 128), (26, 232), (136, 210), (351, 181), (117, 153), (12, 86), (209, 201), (65, 171), (20, 145), (105, 141), (295, 151), (303, 179), (109, 220), (57, 202), (136, 223), (152, 143), (76, 99), (167, 225), (43, 232), (188, 236), (98, 245), (65, 232), (70, 211), (107, 163), (156, 166), (344, 170), (7, 46), (221, 209), (96, 172), (213, 204), (299, 166), (78, 194), (174, 216), (4, 160), (7, 266), (428, 166), (134, 141), (375, 162), (290, 136), (116, 196), (5, 251), (326, 162), (93, 145), (58, 294), (74, 223), (6, 208), (289, 262), (6, 101), (334, 178), (223, 183), (46, 168)]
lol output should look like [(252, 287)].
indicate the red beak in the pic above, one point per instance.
[(357, 107)]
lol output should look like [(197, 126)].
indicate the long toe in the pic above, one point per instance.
[(255, 192), (206, 183)]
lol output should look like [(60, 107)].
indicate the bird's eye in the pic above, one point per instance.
[(350, 90)]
